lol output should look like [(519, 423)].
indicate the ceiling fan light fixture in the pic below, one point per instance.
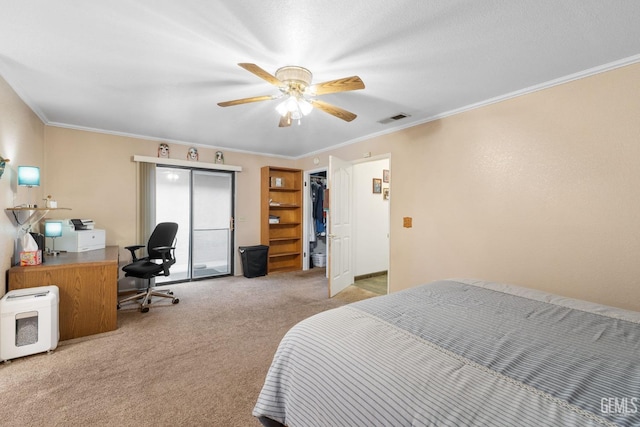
[(305, 106), (289, 105), (281, 108), (297, 107), (292, 104)]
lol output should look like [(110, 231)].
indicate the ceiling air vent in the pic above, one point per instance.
[(394, 118)]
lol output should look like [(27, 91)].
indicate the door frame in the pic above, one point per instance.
[(307, 213), (307, 217), (389, 184)]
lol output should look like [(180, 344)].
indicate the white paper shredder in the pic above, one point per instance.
[(29, 321)]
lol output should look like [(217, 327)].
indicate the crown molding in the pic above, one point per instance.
[(546, 85)]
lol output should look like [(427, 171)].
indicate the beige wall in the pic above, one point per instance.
[(542, 191), (95, 176), (21, 141)]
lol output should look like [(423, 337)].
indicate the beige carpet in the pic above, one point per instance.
[(200, 362)]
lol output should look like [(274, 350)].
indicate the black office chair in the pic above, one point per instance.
[(161, 256)]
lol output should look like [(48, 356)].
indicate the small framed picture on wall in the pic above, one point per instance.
[(385, 175), (377, 185), (385, 193)]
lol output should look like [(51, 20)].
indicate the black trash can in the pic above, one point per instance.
[(254, 260)]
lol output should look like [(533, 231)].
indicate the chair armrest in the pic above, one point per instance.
[(167, 259), (133, 249)]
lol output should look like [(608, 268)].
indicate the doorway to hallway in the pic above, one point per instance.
[(365, 252)]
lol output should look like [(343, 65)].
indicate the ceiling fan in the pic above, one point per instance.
[(297, 92)]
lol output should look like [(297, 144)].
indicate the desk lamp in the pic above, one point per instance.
[(53, 229), (29, 176)]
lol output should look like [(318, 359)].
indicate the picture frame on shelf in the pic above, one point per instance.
[(277, 181)]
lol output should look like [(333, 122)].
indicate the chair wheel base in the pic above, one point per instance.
[(147, 298)]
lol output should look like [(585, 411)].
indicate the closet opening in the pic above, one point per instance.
[(318, 209)]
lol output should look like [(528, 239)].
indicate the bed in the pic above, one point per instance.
[(458, 353)]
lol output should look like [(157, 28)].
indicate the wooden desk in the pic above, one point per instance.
[(88, 283)]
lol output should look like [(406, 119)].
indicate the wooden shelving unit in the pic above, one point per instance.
[(281, 197)]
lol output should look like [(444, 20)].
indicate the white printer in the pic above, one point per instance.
[(80, 224), (79, 235)]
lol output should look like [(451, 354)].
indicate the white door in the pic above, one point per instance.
[(340, 187)]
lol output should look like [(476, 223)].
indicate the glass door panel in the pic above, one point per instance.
[(212, 212), (173, 195)]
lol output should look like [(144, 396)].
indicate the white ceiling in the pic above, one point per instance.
[(158, 68)]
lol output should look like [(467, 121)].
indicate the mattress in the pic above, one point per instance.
[(458, 353)]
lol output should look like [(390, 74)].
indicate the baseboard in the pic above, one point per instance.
[(370, 275)]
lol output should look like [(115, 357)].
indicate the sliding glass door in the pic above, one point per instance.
[(201, 202), (212, 219)]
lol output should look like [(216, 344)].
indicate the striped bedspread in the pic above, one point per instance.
[(458, 353)]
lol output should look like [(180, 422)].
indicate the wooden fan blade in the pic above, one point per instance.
[(339, 85), (333, 110), (285, 121), (246, 100), (253, 68)]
